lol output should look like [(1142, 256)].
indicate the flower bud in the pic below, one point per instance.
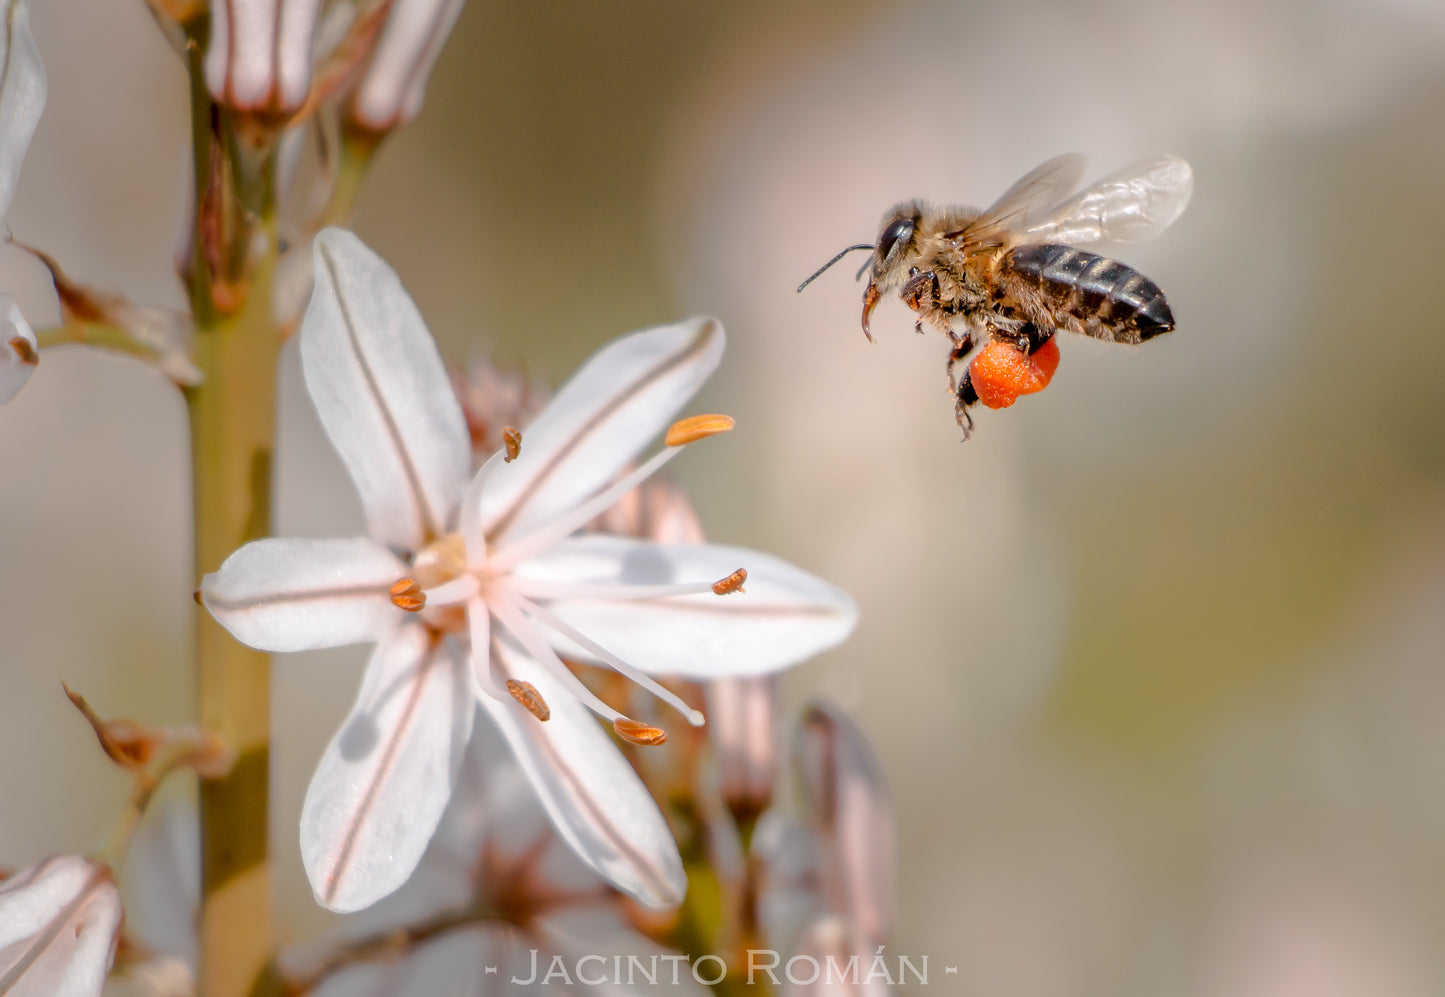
[(259, 57), (740, 716), (392, 88), (843, 787)]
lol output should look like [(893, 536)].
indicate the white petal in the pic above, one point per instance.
[(783, 616), (382, 393), (284, 594), (621, 398), (387, 775), (453, 964), (594, 798), (589, 939), (58, 924), (22, 93), (19, 352)]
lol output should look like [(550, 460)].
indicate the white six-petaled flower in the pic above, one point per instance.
[(475, 593)]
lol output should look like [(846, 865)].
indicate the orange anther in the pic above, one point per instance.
[(732, 583), (407, 594), (639, 733), (512, 440), (697, 427), (24, 350), (526, 693)]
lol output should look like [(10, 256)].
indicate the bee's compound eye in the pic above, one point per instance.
[(899, 231)]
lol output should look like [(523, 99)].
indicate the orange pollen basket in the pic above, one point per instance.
[(1002, 372), (697, 427), (639, 733), (732, 583), (526, 693), (407, 594), (512, 440)]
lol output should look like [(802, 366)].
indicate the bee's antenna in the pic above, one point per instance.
[(825, 266)]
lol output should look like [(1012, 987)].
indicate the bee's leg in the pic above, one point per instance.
[(962, 399), (962, 347), (1029, 337), (919, 293)]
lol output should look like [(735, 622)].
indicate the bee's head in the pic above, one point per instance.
[(891, 253), (894, 240), (886, 258)]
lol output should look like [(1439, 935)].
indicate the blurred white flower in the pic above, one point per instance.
[(828, 873), (22, 98), (493, 566), (58, 926), (496, 899), (259, 55), (392, 88)]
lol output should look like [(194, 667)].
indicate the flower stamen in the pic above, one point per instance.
[(732, 583), (511, 617), (526, 693), (512, 442), (407, 594), (536, 588), (612, 661), (510, 554), (697, 427), (636, 732)]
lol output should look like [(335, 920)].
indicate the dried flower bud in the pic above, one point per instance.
[(259, 58), (167, 336), (391, 91)]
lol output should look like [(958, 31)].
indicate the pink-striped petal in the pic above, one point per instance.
[(600, 420), (595, 800), (22, 93), (285, 594), (783, 615), (382, 393), (386, 777), (58, 925)]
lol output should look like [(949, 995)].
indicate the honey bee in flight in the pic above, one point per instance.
[(1010, 275)]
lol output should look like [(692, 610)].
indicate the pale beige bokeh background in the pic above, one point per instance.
[(1155, 664)]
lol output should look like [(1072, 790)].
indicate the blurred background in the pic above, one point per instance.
[(1155, 663)]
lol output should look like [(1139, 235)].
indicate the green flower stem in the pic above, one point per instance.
[(98, 335), (233, 420)]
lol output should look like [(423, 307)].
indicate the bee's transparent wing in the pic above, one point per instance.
[(1026, 202), (1132, 205)]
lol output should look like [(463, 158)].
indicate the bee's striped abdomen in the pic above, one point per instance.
[(1107, 298)]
